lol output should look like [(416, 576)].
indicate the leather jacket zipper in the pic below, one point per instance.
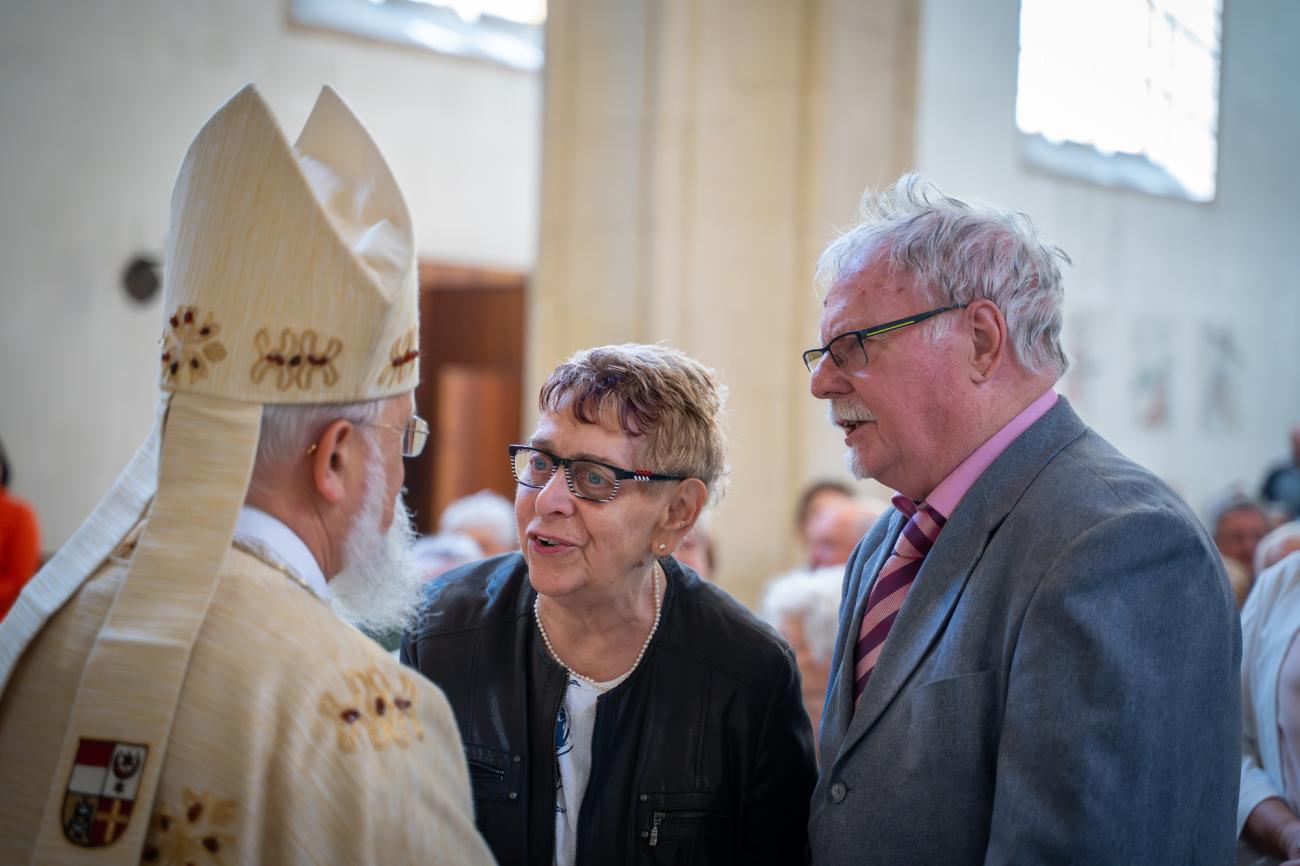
[(555, 771), (483, 768)]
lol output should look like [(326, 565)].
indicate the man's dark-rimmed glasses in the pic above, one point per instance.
[(849, 350)]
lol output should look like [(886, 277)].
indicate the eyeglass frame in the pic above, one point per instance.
[(415, 426), (863, 334), (620, 474)]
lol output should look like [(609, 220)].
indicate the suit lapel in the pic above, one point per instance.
[(947, 568)]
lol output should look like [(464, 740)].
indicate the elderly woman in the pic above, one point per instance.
[(614, 707)]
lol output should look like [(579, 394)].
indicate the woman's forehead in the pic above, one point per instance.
[(569, 437)]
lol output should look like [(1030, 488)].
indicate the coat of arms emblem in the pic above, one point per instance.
[(101, 791)]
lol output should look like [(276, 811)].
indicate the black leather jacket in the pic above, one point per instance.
[(703, 755)]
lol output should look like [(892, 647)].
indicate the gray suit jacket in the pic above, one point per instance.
[(1061, 685)]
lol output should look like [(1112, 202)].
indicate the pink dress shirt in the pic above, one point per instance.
[(949, 493)]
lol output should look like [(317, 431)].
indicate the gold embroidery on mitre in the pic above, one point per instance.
[(189, 344), (296, 359), (197, 833), (374, 708), (401, 356)]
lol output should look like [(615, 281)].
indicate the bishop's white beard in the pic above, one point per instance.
[(379, 588)]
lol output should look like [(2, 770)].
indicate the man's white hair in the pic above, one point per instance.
[(812, 597), (956, 252), (485, 510), (288, 429)]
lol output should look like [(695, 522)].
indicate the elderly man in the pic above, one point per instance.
[(834, 530), (176, 688), (1037, 658), (1238, 524)]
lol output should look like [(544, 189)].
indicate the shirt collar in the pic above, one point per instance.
[(945, 498), (269, 534)]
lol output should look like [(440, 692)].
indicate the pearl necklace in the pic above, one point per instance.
[(537, 615)]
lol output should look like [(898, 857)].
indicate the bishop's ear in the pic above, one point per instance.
[(336, 459)]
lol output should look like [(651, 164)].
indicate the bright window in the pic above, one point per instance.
[(502, 31), (1122, 92)]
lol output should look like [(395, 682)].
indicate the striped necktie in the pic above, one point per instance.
[(890, 589)]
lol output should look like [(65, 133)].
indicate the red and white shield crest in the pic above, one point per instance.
[(101, 791)]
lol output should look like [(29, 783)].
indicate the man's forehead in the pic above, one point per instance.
[(867, 297)]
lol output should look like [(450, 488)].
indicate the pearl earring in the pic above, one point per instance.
[(663, 546)]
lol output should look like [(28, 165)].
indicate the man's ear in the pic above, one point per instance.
[(332, 456), (988, 330)]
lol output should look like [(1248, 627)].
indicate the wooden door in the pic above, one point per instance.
[(472, 360)]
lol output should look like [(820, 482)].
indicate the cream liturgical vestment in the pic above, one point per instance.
[(297, 739), (167, 695)]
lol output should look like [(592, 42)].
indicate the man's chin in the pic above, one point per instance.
[(856, 462)]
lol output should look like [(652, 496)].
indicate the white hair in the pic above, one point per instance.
[(288, 429), (443, 552), (956, 252), (813, 597), (1277, 545), (485, 510)]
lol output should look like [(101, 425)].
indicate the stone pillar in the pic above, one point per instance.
[(697, 155)]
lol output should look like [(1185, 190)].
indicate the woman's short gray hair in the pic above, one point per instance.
[(956, 252), (670, 402)]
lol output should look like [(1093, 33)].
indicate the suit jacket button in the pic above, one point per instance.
[(838, 792)]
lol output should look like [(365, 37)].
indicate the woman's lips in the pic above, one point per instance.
[(539, 544)]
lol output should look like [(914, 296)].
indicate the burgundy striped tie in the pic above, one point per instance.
[(891, 587)]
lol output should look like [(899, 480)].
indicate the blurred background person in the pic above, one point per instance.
[(1269, 798), (1238, 523), (835, 529), (1282, 484), (696, 549), (699, 704), (438, 554), (816, 497), (486, 517), (20, 540), (1277, 545), (1240, 578), (804, 607)]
